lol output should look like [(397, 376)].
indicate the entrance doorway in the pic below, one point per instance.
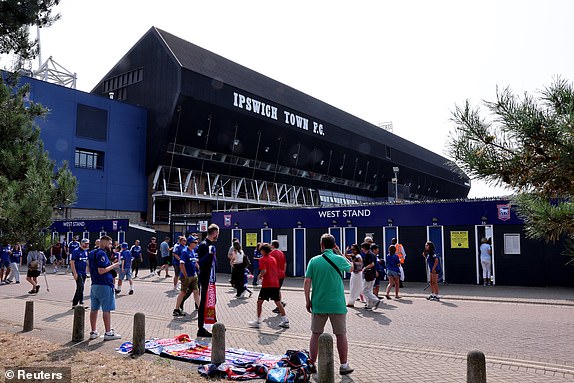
[(484, 231), (435, 234)]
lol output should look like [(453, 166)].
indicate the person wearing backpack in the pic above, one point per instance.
[(35, 262), (325, 298)]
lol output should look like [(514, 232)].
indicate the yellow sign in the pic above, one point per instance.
[(250, 239), (459, 239)]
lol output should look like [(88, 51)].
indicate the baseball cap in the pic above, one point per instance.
[(85, 240), (191, 239), (124, 245)]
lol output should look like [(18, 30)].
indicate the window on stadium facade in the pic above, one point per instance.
[(89, 159), (91, 122)]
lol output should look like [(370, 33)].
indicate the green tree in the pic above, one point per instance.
[(30, 186), (527, 144), (16, 16)]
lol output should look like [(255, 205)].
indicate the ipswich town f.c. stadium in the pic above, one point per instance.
[(175, 137)]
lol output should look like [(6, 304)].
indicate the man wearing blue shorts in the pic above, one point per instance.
[(126, 269), (176, 256), (102, 292)]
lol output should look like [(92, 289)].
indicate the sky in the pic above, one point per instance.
[(407, 62)]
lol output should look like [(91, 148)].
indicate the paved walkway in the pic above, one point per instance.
[(527, 334)]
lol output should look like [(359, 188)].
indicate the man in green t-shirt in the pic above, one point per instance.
[(325, 277)]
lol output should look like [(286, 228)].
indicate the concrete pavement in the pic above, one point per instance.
[(525, 333)]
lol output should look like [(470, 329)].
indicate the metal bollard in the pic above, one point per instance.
[(139, 334), (325, 363), (218, 343), (475, 367), (29, 317), (78, 326)]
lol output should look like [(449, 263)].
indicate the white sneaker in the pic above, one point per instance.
[(345, 370), (254, 323), (94, 335), (112, 335), (284, 324)]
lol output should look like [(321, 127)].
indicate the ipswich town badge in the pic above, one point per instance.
[(227, 220), (503, 212)]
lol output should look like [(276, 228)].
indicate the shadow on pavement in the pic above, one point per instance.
[(56, 317), (448, 304), (377, 315), (177, 323), (171, 293), (238, 302), (95, 344), (267, 339), (404, 301)]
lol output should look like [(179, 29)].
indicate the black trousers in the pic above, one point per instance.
[(136, 267), (152, 263), (238, 279), (79, 295), (202, 303)]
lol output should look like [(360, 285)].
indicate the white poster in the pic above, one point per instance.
[(282, 242), (511, 243)]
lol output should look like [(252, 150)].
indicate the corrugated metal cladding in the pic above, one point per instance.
[(189, 90), (103, 142)]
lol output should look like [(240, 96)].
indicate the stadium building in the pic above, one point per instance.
[(223, 137), (178, 137)]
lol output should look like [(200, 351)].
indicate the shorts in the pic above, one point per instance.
[(58, 257), (392, 274), (338, 322), (33, 273), (126, 274), (4, 264), (102, 296), (166, 260), (267, 293), (189, 284)]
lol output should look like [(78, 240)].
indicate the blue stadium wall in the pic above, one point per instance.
[(535, 264), (121, 184)]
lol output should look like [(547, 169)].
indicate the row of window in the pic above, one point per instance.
[(89, 159), (123, 80)]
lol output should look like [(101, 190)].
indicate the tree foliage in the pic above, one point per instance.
[(30, 186), (527, 144), (15, 18)]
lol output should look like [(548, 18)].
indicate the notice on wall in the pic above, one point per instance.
[(250, 239), (512, 243), (459, 239), (282, 242)]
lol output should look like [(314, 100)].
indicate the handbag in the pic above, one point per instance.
[(246, 262), (34, 265), (370, 274)]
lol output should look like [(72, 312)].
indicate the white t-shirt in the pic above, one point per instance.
[(484, 249), (239, 257)]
